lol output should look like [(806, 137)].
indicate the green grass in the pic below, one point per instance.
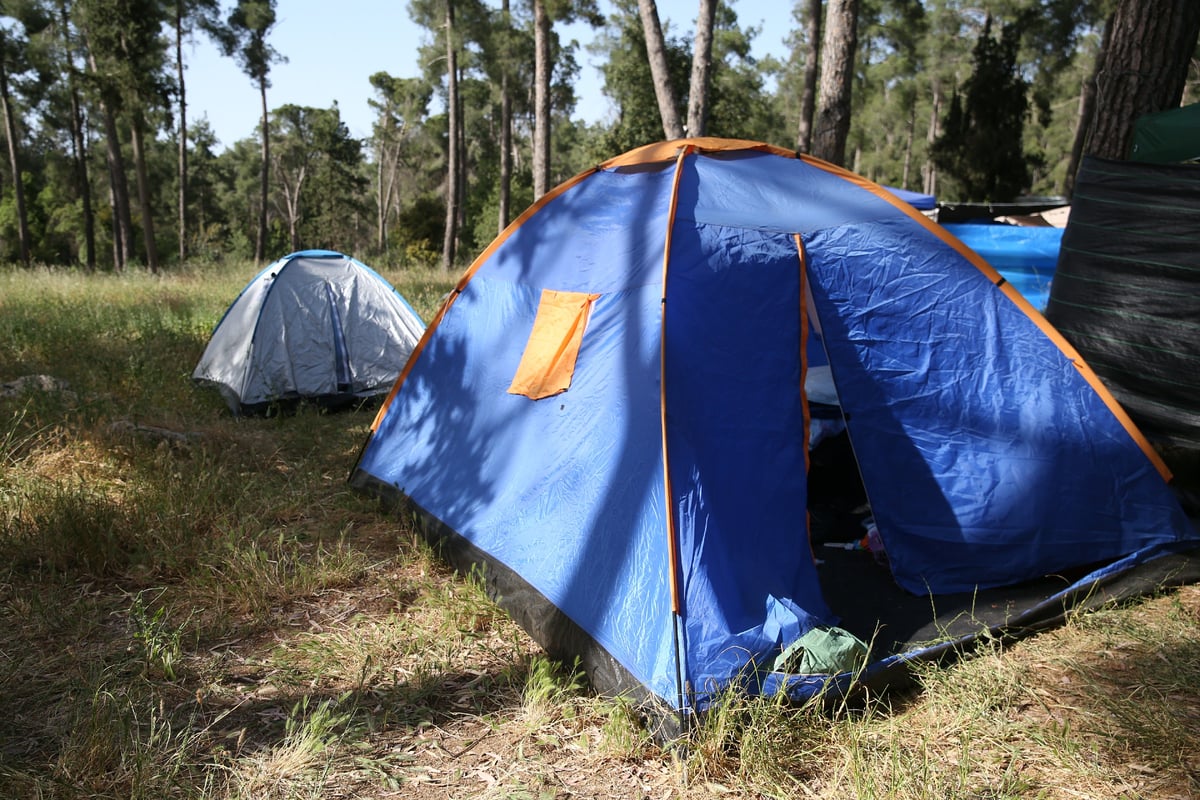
[(216, 615)]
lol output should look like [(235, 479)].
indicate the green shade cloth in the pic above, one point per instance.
[(1167, 137)]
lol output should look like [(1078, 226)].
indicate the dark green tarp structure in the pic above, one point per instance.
[(1126, 290), (1167, 137)]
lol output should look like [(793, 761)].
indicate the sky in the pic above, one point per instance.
[(333, 49)]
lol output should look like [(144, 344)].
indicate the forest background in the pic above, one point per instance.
[(968, 100)]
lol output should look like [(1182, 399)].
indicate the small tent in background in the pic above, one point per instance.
[(613, 413), (315, 325)]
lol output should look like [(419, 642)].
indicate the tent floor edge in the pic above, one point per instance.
[(325, 404), (559, 635), (896, 673), (1156, 575)]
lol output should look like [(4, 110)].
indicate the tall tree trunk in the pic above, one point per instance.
[(462, 164), (929, 184), (118, 239), (290, 186), (541, 99), (697, 118), (660, 72), (143, 187), (122, 216), (79, 144), (118, 183), (1145, 68), (182, 166), (260, 241), (381, 199), (10, 130), (82, 184), (837, 77), (909, 133), (808, 95), (1087, 109), (505, 131), (450, 238), (387, 163), (389, 167)]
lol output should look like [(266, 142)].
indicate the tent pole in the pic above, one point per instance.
[(672, 530)]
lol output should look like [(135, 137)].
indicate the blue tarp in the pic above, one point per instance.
[(1025, 255), (922, 202)]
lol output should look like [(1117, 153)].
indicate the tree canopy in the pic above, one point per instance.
[(972, 101)]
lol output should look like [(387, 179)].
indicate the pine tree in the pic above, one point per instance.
[(979, 153), (245, 38)]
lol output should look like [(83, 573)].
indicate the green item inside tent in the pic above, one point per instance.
[(822, 651)]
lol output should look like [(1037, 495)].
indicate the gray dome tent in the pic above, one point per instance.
[(315, 325)]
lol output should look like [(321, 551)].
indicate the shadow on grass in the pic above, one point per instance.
[(428, 699)]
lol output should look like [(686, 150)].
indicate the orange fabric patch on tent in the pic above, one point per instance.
[(548, 363)]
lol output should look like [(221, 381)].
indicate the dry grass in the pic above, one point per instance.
[(219, 617)]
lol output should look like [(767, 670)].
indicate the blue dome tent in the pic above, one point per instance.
[(615, 410)]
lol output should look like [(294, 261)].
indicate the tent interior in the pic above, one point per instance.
[(859, 588), (922, 628)]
